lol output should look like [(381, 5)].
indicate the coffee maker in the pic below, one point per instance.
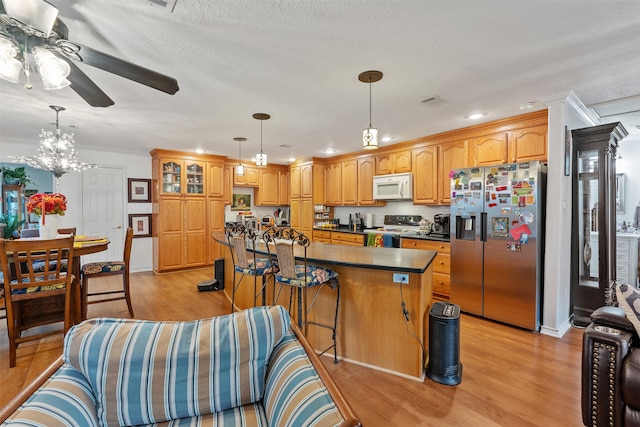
[(440, 227)]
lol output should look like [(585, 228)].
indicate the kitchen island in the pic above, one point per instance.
[(372, 329)]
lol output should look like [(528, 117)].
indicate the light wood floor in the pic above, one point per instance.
[(510, 377)]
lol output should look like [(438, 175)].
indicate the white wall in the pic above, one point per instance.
[(135, 165)]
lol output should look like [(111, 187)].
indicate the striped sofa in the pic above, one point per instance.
[(250, 368)]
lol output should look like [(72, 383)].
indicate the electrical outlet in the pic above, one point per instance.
[(400, 278)]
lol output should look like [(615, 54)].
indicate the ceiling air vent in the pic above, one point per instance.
[(165, 4), (433, 100)]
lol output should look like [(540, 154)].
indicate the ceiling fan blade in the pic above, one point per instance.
[(86, 88), (118, 66)]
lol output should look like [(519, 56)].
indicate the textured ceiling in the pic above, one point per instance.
[(299, 61)]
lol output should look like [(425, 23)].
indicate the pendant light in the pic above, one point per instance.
[(370, 134), (240, 167), (261, 158)]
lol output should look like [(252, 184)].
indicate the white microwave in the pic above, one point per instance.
[(393, 187)]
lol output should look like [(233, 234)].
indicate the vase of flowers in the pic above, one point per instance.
[(48, 207)]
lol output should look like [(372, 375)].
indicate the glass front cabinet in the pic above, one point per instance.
[(593, 245), (182, 177)]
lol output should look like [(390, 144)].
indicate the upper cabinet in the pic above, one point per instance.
[(425, 175), (333, 184), (453, 155), (350, 182), (251, 177), (283, 194), (366, 171), (216, 180), (273, 186), (512, 146), (489, 149), (528, 144), (395, 162), (182, 177)]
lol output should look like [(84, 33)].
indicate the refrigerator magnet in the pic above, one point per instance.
[(499, 226), (513, 246), (517, 232)]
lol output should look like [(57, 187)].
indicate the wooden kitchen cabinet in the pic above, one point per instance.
[(489, 149), (366, 172), (350, 183), (425, 175), (228, 184), (348, 239), (267, 193), (185, 187), (215, 179), (178, 176), (441, 279), (251, 177), (333, 184), (453, 155), (306, 180), (301, 215), (284, 191), (215, 223), (182, 239), (322, 236), (295, 181), (395, 162), (528, 144)]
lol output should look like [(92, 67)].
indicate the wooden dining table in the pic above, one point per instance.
[(32, 311)]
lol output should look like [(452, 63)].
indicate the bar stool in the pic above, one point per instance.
[(246, 264), (301, 277)]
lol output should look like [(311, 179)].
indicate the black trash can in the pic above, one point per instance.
[(444, 365)]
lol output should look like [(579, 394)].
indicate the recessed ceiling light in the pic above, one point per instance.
[(329, 150), (292, 159), (526, 106), (386, 139), (199, 150), (476, 116)]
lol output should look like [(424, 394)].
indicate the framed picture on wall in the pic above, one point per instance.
[(139, 190), (241, 202), (141, 224)]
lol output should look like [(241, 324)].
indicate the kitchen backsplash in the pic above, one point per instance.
[(392, 208)]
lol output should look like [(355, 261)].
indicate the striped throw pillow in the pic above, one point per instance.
[(295, 395), (629, 300), (143, 372)]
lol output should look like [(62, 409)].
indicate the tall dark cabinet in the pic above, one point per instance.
[(593, 243)]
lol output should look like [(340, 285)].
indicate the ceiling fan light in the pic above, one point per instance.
[(10, 70), (10, 67), (53, 70)]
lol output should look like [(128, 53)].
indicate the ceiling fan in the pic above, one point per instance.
[(30, 31)]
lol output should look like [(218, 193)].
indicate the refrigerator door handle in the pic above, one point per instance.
[(483, 226)]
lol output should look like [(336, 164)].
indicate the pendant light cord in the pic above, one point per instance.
[(369, 101)]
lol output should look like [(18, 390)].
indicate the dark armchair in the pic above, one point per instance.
[(610, 370)]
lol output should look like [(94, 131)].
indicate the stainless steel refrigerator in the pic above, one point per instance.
[(497, 241)]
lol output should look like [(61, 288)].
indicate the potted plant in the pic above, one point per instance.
[(16, 176), (12, 223)]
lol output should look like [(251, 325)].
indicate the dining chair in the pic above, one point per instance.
[(65, 231), (301, 277), (93, 270), (246, 263), (26, 288)]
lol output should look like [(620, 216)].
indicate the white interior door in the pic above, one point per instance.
[(102, 210)]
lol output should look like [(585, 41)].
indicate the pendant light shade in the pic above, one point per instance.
[(240, 167), (261, 158), (370, 134)]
